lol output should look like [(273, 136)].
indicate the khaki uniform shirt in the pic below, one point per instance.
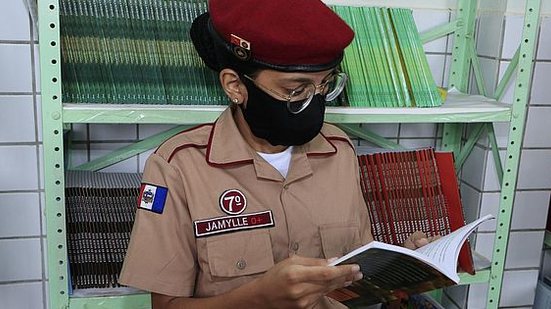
[(229, 216)]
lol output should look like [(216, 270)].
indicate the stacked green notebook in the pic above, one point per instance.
[(133, 51), (386, 61), (140, 52)]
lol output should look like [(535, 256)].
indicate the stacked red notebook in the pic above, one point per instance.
[(410, 191)]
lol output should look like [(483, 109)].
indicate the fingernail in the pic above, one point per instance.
[(358, 276), (347, 283), (355, 268)]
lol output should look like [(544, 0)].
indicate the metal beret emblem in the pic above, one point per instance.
[(241, 53), (241, 48)]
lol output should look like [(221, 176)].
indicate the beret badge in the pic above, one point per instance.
[(241, 48)]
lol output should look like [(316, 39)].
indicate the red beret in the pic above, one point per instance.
[(287, 33)]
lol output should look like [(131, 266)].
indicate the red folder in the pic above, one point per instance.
[(408, 191)]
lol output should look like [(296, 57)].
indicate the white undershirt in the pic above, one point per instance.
[(280, 161)]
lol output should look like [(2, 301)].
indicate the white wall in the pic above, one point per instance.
[(22, 245), (23, 280)]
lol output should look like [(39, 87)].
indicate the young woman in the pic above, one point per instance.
[(245, 212)]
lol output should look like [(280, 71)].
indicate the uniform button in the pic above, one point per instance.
[(286, 187), (294, 246), (241, 264)]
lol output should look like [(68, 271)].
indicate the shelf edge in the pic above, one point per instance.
[(197, 115), (481, 276), (132, 301)]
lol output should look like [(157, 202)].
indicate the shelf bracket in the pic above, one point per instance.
[(438, 32), (495, 152), (376, 139), (509, 72), (469, 145), (129, 151), (479, 77)]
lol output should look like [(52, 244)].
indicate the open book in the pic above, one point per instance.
[(392, 272)]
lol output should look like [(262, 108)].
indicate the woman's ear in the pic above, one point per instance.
[(233, 86)]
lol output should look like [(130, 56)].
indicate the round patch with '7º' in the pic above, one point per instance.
[(233, 202)]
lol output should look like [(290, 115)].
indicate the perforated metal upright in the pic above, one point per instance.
[(460, 67), (52, 113), (522, 87)]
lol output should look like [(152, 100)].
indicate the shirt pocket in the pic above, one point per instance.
[(339, 239), (240, 254)]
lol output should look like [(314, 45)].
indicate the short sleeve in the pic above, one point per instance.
[(161, 255)]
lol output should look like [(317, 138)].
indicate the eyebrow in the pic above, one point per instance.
[(304, 79)]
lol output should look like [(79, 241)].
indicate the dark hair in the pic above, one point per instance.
[(227, 60), (214, 51)]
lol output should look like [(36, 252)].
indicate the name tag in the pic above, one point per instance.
[(233, 223)]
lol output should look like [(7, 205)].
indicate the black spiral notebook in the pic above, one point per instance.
[(100, 211)]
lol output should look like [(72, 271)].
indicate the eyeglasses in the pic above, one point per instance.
[(299, 98)]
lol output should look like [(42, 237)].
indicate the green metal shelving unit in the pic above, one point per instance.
[(455, 114)]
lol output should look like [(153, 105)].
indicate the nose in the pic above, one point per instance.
[(321, 89)]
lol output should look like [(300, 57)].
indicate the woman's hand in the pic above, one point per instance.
[(418, 239), (296, 282), (300, 282)]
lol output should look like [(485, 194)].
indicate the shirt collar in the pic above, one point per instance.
[(227, 147)]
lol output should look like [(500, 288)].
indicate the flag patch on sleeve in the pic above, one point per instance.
[(152, 198)]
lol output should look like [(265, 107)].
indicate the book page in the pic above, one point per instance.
[(445, 250)]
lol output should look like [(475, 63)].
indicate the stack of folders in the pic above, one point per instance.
[(408, 191), (386, 61), (140, 52), (100, 213), (133, 52)]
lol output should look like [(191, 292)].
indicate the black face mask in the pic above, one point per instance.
[(270, 119)]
